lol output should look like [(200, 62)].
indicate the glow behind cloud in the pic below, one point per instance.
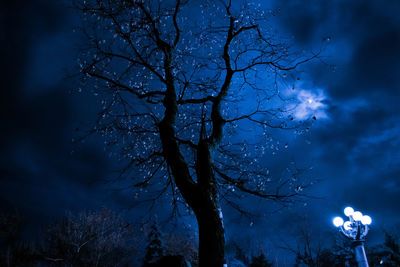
[(309, 104)]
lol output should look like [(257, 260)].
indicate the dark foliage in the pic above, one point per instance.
[(13, 250), (100, 239), (170, 261), (155, 249), (88, 239), (260, 261), (241, 254), (387, 254)]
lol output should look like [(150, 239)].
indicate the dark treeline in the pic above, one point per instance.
[(98, 238), (103, 238), (386, 254)]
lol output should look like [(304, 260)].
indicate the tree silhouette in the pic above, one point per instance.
[(240, 254), (14, 251), (386, 254), (155, 248), (180, 85), (181, 245), (314, 250), (88, 239), (260, 261)]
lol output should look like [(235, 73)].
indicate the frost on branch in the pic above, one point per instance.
[(176, 77)]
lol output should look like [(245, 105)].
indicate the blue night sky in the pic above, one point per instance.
[(353, 147)]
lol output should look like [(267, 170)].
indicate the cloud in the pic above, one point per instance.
[(38, 174), (365, 40), (309, 104)]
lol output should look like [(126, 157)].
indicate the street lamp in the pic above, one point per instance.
[(355, 229)]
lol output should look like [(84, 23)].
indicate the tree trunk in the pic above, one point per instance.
[(211, 233), (202, 196)]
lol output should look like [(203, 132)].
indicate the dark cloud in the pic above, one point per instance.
[(368, 31), (40, 175), (375, 64), (305, 20)]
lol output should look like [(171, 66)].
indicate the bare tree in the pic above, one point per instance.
[(181, 245), (88, 239), (180, 84), (14, 251), (315, 250)]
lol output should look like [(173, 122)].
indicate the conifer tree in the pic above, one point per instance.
[(155, 247)]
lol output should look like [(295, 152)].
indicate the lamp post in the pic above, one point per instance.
[(355, 229)]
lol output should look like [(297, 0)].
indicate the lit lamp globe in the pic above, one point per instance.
[(366, 220), (337, 221), (348, 211), (357, 216), (347, 225)]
